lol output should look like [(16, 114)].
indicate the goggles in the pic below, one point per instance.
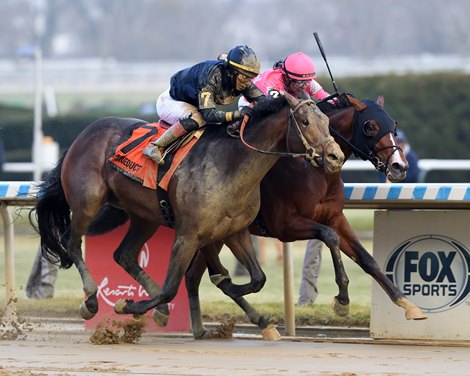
[(244, 77), (300, 83)]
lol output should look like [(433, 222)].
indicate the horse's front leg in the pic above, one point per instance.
[(351, 246), (299, 227), (183, 251), (126, 255), (332, 241)]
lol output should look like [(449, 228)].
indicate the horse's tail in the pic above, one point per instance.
[(53, 218), (107, 219)]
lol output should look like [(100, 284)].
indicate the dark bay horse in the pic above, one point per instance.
[(214, 194), (299, 202)]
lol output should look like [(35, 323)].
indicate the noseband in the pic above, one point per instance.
[(378, 164), (310, 151)]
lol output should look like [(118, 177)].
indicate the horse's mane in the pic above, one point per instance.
[(342, 101), (264, 108), (268, 106)]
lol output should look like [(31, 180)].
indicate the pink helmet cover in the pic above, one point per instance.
[(299, 66)]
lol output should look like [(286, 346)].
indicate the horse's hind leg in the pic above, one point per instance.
[(78, 226), (193, 278), (210, 256), (242, 247), (126, 255), (85, 197)]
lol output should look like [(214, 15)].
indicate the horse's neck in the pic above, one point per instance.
[(267, 134), (342, 122), (271, 131)]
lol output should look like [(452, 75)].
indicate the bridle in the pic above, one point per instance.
[(310, 154), (371, 153)]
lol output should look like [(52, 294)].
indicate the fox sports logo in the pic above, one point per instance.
[(433, 270)]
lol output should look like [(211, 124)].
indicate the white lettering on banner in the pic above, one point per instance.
[(122, 291)]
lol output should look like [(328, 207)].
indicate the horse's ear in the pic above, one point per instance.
[(357, 104), (290, 99), (381, 100)]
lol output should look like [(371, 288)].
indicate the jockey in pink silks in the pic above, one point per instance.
[(293, 74)]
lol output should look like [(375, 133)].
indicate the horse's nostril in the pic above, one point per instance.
[(399, 167), (333, 157)]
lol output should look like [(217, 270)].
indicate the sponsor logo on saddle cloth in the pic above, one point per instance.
[(129, 159), (433, 270)]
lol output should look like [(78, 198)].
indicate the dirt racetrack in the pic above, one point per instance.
[(60, 349)]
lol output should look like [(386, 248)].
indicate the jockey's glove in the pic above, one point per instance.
[(240, 114)]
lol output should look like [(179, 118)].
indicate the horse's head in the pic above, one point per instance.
[(313, 129), (371, 134), (378, 130)]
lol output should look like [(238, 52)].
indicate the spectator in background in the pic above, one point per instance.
[(311, 266), (41, 280), (412, 176)]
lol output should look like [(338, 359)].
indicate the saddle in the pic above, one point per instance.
[(129, 160)]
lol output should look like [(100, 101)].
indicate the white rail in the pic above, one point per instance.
[(425, 166)]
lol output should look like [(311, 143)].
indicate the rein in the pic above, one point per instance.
[(310, 152)]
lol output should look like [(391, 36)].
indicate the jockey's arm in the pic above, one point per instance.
[(211, 114), (317, 91), (253, 93)]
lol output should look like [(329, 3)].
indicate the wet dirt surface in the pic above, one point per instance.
[(52, 348)]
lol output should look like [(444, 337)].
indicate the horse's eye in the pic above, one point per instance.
[(305, 121), (370, 128)]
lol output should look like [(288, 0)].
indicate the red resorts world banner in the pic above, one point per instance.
[(115, 284)]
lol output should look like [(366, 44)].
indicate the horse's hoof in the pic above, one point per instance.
[(341, 310), (160, 318), (209, 334), (415, 314), (120, 305), (224, 331), (270, 333), (85, 313), (412, 312)]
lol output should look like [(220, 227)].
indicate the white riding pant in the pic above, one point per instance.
[(171, 110)]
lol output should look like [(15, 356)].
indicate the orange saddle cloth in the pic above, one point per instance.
[(129, 159)]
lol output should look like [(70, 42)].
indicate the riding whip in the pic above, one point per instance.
[(317, 38)]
